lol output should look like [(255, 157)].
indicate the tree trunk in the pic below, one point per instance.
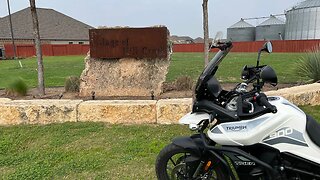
[(38, 47), (205, 31)]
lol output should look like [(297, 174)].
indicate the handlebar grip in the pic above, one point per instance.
[(263, 100)]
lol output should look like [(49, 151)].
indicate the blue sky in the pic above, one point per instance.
[(182, 17)]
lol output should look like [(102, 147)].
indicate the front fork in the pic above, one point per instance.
[(200, 154)]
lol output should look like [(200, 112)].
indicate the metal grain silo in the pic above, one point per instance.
[(241, 31), (303, 21), (271, 29)]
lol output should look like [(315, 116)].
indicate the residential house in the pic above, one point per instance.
[(55, 28)]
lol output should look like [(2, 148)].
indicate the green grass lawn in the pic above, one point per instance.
[(83, 150), (87, 150), (58, 68), (192, 64)]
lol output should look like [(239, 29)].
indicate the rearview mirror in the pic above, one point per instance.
[(268, 75), (267, 47)]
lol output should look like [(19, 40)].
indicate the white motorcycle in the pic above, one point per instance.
[(249, 135)]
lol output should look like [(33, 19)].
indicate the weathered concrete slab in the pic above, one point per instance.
[(118, 112), (38, 111), (169, 111)]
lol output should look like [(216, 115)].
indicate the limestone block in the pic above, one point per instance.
[(38, 111), (300, 95), (123, 77), (4, 100), (118, 111), (169, 111)]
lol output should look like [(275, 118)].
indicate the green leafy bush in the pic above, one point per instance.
[(72, 84), (183, 83), (17, 88), (309, 66)]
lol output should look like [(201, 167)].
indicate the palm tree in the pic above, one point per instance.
[(38, 47)]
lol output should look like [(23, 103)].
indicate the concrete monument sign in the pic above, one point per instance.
[(126, 62)]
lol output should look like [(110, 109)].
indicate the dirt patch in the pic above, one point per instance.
[(169, 93)]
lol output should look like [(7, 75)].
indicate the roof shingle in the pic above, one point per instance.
[(53, 26)]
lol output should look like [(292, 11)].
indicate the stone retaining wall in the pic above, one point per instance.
[(166, 111), (120, 112), (169, 111), (300, 95), (38, 111)]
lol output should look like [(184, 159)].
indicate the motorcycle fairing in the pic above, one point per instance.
[(284, 130), (193, 119)]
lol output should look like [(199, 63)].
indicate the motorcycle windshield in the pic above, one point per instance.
[(211, 69)]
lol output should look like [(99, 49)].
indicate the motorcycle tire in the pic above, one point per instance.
[(166, 156)]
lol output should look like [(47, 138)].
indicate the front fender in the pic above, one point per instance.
[(193, 144)]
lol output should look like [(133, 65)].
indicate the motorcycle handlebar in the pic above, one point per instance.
[(263, 100)]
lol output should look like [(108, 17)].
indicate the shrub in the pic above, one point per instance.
[(168, 86), (17, 88), (309, 66), (72, 84), (183, 83)]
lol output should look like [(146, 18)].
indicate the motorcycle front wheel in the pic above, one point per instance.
[(171, 164)]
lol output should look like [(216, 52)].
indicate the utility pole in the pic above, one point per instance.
[(37, 41), (12, 36)]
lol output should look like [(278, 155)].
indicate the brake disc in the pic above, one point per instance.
[(179, 171)]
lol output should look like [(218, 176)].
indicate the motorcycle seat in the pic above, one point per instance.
[(313, 130)]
